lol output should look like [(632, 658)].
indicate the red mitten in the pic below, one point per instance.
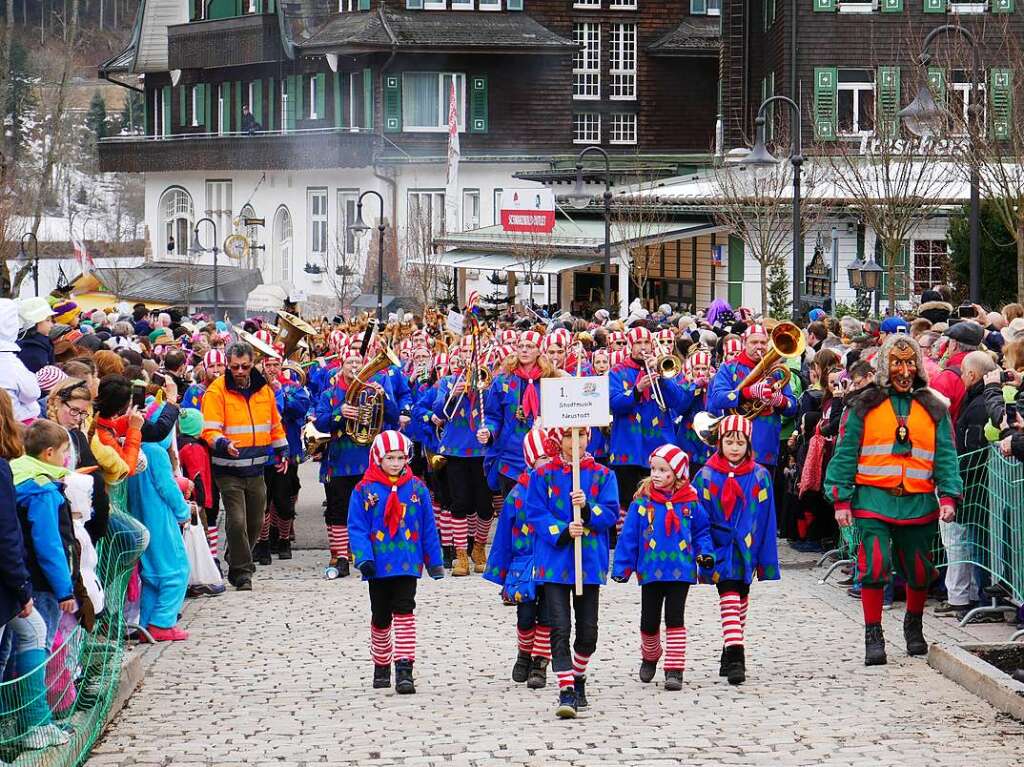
[(758, 391), (779, 399)]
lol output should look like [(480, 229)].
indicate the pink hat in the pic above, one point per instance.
[(617, 357), (676, 459), (214, 357), (666, 334), (533, 445), (265, 336), (735, 423), (638, 334), (531, 337), (757, 329), (49, 376), (387, 442)]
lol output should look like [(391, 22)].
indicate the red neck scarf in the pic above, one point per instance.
[(586, 462), (684, 493), (530, 400), (732, 493), (117, 424), (638, 365), (744, 359), (393, 511)]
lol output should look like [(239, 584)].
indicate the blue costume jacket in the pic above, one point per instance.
[(344, 458), (686, 437), (724, 395), (293, 403), (415, 542), (510, 561), (501, 407), (402, 393), (421, 429), (459, 436), (745, 540), (659, 548), (639, 426), (193, 396), (549, 512)]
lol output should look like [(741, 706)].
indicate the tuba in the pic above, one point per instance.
[(292, 330), (367, 400), (786, 342)]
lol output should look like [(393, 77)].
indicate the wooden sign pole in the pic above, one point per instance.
[(576, 517)]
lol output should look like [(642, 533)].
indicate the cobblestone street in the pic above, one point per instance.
[(281, 676)]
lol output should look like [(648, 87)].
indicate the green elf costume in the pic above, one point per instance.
[(894, 473)]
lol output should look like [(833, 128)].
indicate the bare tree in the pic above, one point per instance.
[(424, 268), (639, 218), (342, 269), (532, 252)]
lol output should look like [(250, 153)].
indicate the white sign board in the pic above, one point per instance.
[(455, 322), (569, 401), (528, 210)]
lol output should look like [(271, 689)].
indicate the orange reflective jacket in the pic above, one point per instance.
[(879, 466)]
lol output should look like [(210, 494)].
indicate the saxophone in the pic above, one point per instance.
[(367, 400)]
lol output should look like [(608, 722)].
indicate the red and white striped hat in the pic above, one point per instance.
[(560, 337), (531, 337), (676, 459), (666, 334), (617, 335), (757, 329), (732, 347), (337, 340), (617, 357), (441, 363), (49, 376), (265, 336), (700, 358), (466, 342), (533, 445), (214, 357), (638, 334), (735, 423), (387, 442), (508, 336), (351, 353)]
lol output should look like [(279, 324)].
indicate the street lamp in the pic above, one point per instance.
[(579, 199), (361, 226), (923, 117), (35, 259), (864, 279), (759, 159), (196, 248)]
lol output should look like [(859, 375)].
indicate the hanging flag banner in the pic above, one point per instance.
[(528, 210)]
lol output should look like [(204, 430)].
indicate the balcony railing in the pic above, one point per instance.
[(232, 42), (264, 150)]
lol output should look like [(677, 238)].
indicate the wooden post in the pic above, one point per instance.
[(577, 542)]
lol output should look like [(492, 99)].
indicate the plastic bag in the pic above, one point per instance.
[(202, 570)]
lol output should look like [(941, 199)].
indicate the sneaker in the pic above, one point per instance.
[(566, 703), (945, 608), (206, 590), (854, 591), (983, 617), (44, 736), (243, 583)]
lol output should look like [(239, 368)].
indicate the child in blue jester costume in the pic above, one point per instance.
[(736, 493), (664, 538), (510, 565), (394, 536), (725, 395), (549, 511)]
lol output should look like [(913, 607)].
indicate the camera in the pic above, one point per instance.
[(1012, 414), (966, 311), (1006, 377), (139, 395)]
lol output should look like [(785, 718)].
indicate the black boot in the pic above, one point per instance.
[(566, 703), (261, 553), (521, 668), (673, 681), (648, 669), (538, 676), (735, 670), (284, 549), (469, 543), (381, 676), (722, 670), (579, 683), (874, 645), (916, 644), (343, 567), (448, 556), (403, 677)]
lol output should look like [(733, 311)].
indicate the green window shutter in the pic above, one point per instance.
[(145, 115), (364, 5), (288, 121), (300, 97), (321, 95), (339, 113), (824, 5), (934, 6), (192, 9), (892, 6), (1002, 6), (937, 84), (256, 107), (1001, 103), (735, 270), (514, 5), (368, 98), (478, 104), (902, 274), (826, 107), (272, 102), (225, 114), (888, 101), (200, 97), (392, 103), (270, 6), (239, 100), (414, 5), (165, 96), (698, 7), (208, 107), (182, 105)]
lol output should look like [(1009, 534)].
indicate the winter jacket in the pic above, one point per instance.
[(343, 457), (46, 526), (510, 561), (458, 438), (639, 425), (508, 425), (658, 547), (15, 581), (195, 465), (970, 426), (97, 524), (36, 350), (249, 419), (21, 385), (294, 404)]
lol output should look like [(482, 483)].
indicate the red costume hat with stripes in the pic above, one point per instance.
[(531, 337), (534, 445), (387, 442), (676, 459), (560, 337), (666, 335), (731, 348), (757, 329), (508, 336), (616, 335), (265, 336), (214, 357), (733, 423), (638, 335), (700, 358)]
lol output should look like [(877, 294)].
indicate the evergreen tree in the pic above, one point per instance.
[(998, 256), (779, 300), (133, 113), (19, 101), (96, 117)]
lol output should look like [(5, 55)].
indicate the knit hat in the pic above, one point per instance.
[(617, 336), (638, 334), (386, 442), (508, 336), (33, 310), (676, 459), (49, 376), (815, 314), (190, 422), (930, 295), (58, 329), (731, 347), (560, 337), (893, 325), (733, 423), (700, 358), (757, 329), (533, 445), (214, 357), (531, 337), (66, 312)]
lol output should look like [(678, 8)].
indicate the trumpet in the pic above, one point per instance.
[(478, 378)]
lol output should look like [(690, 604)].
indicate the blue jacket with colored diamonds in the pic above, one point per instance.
[(510, 561), (659, 552), (639, 426), (344, 458), (459, 436)]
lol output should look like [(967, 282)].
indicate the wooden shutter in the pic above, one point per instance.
[(1001, 103), (1002, 6), (182, 105), (826, 105), (934, 6), (339, 113), (200, 99), (368, 98), (824, 5), (320, 80), (887, 103), (225, 114), (392, 103), (478, 104), (300, 97), (192, 9), (892, 6), (937, 84), (165, 117), (208, 107), (256, 107)]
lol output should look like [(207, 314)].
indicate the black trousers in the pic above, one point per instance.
[(505, 485), (557, 597), (338, 491), (735, 587), (282, 489), (671, 594), (628, 478), (530, 614), (391, 596), (467, 485)]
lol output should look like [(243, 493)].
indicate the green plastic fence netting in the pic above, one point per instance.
[(82, 675)]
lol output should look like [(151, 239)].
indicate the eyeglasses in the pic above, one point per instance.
[(76, 412), (241, 368)]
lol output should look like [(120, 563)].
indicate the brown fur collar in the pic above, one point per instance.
[(874, 395)]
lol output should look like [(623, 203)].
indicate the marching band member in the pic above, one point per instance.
[(213, 367), (510, 565), (549, 511), (344, 462), (698, 372), (723, 395), (511, 406), (425, 432), (459, 409), (731, 348), (555, 346), (391, 504)]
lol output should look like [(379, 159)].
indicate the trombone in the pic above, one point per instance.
[(663, 364)]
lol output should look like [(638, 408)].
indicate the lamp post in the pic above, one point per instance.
[(196, 248), (760, 158), (361, 226), (579, 199), (924, 118), (864, 279), (35, 257)]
